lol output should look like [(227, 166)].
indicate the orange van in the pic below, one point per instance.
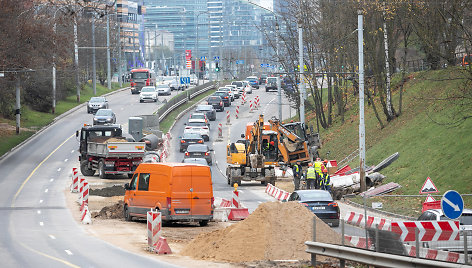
[(180, 191)]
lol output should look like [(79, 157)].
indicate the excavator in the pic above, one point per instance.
[(253, 158)]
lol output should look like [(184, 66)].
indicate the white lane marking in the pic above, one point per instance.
[(52, 237), (59, 169), (41, 223), (65, 160), (39, 211), (68, 252), (216, 162), (122, 108), (46, 190), (51, 180), (72, 151), (41, 201)]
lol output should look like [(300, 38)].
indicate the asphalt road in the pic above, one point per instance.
[(37, 228)]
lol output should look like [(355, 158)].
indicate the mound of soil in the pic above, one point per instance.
[(115, 190), (274, 231), (110, 212)]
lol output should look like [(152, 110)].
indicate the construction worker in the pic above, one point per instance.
[(326, 180), (297, 172), (310, 177), (317, 168)]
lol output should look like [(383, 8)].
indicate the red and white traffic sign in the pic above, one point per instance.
[(428, 187), (429, 198), (427, 230)]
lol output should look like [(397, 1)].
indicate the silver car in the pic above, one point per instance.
[(163, 90), (199, 151), (148, 94), (96, 103), (104, 116)]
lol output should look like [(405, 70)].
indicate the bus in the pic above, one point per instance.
[(141, 78)]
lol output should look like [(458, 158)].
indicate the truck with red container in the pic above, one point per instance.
[(141, 78)]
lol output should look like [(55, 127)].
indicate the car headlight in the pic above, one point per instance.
[(95, 119), (109, 120)]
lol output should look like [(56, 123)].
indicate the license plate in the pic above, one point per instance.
[(253, 169), (197, 154), (182, 211), (191, 142), (318, 208)]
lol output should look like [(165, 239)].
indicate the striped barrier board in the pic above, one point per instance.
[(357, 219), (434, 254), (154, 224), (427, 230)]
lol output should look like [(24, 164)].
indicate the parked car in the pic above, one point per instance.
[(190, 138), (200, 161), (253, 81), (148, 94), (208, 110), (229, 90), (239, 85), (163, 89), (320, 203), (235, 90), (199, 151), (96, 103), (216, 102), (271, 84), (198, 127), (247, 87), (165, 186), (104, 116), (225, 96), (465, 223)]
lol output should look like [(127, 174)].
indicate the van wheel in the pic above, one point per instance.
[(203, 223), (101, 170), (86, 171), (126, 213)]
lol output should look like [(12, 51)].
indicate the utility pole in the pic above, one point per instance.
[(94, 67), (120, 74), (108, 54), (18, 104), (279, 83), (360, 35), (302, 70), (76, 58)]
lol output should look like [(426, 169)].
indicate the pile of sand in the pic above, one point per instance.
[(274, 231)]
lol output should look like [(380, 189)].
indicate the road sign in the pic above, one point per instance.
[(452, 204), (427, 230), (203, 58), (216, 58), (185, 80), (189, 64), (428, 187), (240, 62), (429, 198)]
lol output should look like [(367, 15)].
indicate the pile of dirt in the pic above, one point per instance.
[(115, 190), (274, 231), (110, 212)]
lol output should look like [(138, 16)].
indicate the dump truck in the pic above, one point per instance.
[(104, 149), (248, 160)]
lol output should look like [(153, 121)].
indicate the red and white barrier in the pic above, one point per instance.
[(243, 98), (237, 211), (236, 202), (81, 189), (237, 112), (228, 119), (220, 132), (434, 254), (86, 218), (85, 193), (225, 203), (74, 187), (154, 225), (427, 230), (251, 107), (359, 242), (357, 219), (277, 193)]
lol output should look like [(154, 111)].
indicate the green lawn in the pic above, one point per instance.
[(427, 149)]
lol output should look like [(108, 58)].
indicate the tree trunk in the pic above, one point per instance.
[(369, 96), (387, 68), (330, 101)]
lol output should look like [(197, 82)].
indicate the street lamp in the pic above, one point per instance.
[(54, 64), (197, 60)]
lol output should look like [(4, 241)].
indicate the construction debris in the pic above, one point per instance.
[(383, 189), (110, 212)]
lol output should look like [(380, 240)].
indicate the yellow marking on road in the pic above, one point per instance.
[(50, 257), (34, 170)]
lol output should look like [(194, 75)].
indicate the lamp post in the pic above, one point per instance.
[(54, 64), (197, 60)]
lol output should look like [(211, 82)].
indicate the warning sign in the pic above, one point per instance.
[(428, 187), (429, 198)]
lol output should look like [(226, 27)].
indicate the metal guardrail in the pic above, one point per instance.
[(371, 258), (181, 99)]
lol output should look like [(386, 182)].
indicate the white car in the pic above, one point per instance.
[(229, 90), (247, 87), (163, 89), (239, 85), (148, 94), (198, 127), (235, 90)]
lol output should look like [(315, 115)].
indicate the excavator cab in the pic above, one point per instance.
[(236, 153)]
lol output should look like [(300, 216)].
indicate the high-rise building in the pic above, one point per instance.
[(130, 18)]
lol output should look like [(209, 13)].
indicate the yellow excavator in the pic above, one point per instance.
[(254, 158)]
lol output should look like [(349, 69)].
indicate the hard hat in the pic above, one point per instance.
[(325, 161), (272, 142), (310, 164), (318, 159), (324, 170)]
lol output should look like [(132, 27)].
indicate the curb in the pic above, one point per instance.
[(66, 113), (378, 211)]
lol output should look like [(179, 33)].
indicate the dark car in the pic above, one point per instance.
[(262, 79), (200, 161), (208, 110), (319, 202), (96, 103), (190, 138), (199, 151), (271, 84), (225, 96), (216, 102), (104, 116)]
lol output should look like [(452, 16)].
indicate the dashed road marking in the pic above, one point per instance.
[(47, 190), (51, 180), (59, 169), (41, 223), (39, 211), (72, 151), (41, 201), (52, 237), (68, 252), (65, 160)]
